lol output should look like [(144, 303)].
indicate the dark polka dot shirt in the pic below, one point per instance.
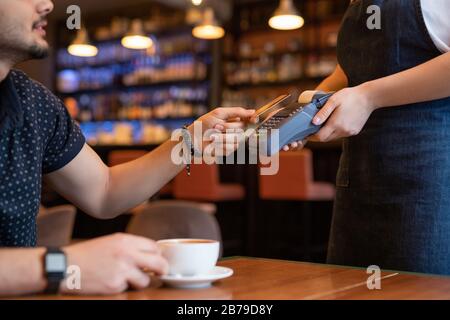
[(37, 136)]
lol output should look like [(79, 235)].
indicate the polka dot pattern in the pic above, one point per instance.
[(43, 139)]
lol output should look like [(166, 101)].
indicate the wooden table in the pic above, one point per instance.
[(262, 279)]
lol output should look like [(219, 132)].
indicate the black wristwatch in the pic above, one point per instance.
[(55, 266)]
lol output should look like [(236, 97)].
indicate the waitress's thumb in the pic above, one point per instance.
[(324, 113)]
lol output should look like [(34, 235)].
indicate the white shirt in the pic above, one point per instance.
[(437, 19)]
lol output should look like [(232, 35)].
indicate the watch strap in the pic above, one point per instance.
[(53, 284), (53, 278)]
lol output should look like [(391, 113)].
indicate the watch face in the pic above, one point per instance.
[(55, 262)]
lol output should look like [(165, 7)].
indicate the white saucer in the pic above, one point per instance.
[(198, 281)]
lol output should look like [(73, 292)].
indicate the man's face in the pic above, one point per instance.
[(22, 25)]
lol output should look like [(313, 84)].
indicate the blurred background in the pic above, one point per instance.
[(139, 69)]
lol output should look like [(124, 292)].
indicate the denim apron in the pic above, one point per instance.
[(392, 206)]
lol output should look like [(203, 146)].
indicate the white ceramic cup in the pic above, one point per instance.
[(190, 257)]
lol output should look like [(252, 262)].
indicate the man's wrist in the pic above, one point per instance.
[(190, 128), (195, 138), (41, 283), (69, 260)]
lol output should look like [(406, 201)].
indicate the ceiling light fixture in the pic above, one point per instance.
[(136, 38), (286, 17), (81, 47), (209, 28)]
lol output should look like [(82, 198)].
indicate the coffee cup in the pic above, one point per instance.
[(189, 257)]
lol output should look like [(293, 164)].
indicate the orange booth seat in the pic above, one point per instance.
[(294, 180), (204, 185)]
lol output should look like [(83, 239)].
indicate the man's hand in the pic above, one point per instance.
[(227, 118), (111, 264), (224, 126)]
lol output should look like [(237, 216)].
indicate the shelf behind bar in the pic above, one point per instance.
[(310, 23), (306, 52), (114, 88), (169, 119), (276, 84), (125, 62), (168, 32)]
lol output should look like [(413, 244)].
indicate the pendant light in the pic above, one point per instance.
[(81, 46), (209, 28), (136, 38), (286, 17)]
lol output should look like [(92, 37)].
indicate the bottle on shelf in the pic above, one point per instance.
[(266, 69), (171, 102)]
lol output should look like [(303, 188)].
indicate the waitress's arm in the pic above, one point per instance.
[(426, 82), (334, 82), (348, 110)]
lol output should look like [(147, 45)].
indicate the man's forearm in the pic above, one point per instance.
[(426, 82), (134, 182), (106, 192), (21, 271)]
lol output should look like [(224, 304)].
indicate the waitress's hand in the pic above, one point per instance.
[(298, 145), (345, 114)]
